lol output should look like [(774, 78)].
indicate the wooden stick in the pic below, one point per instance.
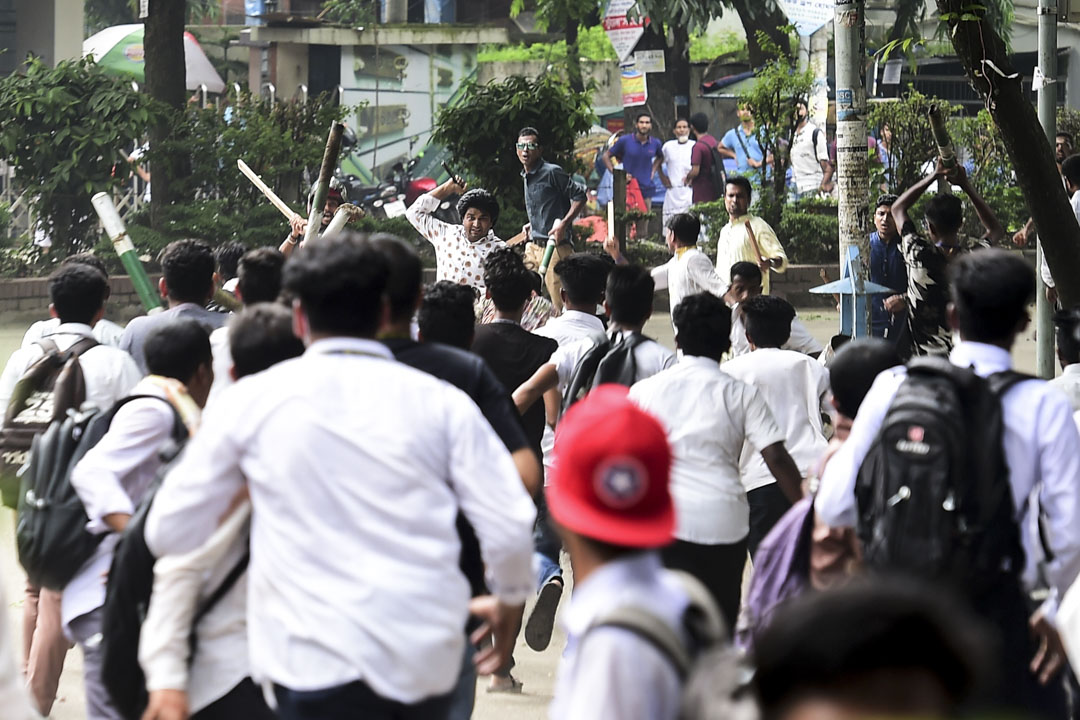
[(270, 194), (322, 187), (753, 241)]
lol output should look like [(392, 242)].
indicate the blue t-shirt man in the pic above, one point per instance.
[(637, 154), (886, 268), (749, 147)]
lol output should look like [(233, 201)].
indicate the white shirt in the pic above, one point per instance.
[(708, 416), (109, 373), (613, 672), (796, 388), (800, 340), (1044, 267), (806, 158), (650, 357), (1069, 383), (182, 583), (105, 332), (680, 196), (221, 354), (567, 329), (457, 259), (1042, 450), (112, 478), (354, 550), (688, 272)]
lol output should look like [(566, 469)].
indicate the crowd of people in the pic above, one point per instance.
[(355, 484)]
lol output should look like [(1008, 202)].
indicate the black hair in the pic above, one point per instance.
[(858, 643), (446, 314), (767, 320), (528, 130), (741, 182), (641, 115), (1068, 136), (945, 212), (188, 268), (406, 275), (1067, 323), (747, 271), (703, 325), (506, 278), (340, 283), (86, 258), (991, 290), (700, 122), (1070, 168), (583, 277), (228, 259), (887, 200), (89, 258), (261, 336), (259, 275), (685, 227), (77, 292), (853, 370), (480, 199), (629, 294), (177, 348)]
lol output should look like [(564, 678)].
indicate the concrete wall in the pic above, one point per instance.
[(27, 299), (606, 75), (49, 29)]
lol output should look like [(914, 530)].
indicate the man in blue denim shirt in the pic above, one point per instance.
[(886, 268)]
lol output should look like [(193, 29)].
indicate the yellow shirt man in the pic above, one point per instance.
[(736, 245)]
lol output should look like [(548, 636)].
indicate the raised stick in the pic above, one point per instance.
[(270, 194), (322, 188)]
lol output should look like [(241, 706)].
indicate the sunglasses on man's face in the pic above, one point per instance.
[(527, 146)]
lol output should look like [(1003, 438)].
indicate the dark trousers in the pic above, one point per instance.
[(718, 567), (767, 505), (355, 701), (243, 701)]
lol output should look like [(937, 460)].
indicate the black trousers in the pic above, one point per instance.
[(718, 567), (355, 701), (767, 505), (243, 701)]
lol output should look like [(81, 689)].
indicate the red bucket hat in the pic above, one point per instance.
[(613, 466)]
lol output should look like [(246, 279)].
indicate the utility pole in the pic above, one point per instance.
[(853, 180), (1044, 329)]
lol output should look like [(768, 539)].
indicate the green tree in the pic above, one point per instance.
[(163, 38), (63, 132), (567, 16), (479, 131), (912, 144), (779, 87), (910, 13)]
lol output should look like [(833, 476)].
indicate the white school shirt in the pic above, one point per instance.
[(1044, 267), (182, 583), (112, 478), (221, 354), (457, 259), (688, 272), (1069, 383), (1042, 450), (800, 340), (708, 416), (650, 357), (567, 329), (796, 388), (613, 672), (109, 373), (357, 466), (105, 332)]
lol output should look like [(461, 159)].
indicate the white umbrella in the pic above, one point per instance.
[(119, 49)]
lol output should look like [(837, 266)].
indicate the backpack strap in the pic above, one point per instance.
[(215, 597), (179, 431), (1001, 382), (701, 620)]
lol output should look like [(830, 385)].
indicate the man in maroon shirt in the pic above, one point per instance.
[(701, 159)]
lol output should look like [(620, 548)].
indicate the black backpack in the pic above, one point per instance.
[(933, 493), (716, 172), (45, 392), (127, 599), (606, 362), (50, 533)]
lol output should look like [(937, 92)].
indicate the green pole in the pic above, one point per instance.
[(114, 227)]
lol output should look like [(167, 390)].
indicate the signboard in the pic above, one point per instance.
[(635, 91), (623, 32), (144, 9), (648, 61), (808, 16)]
